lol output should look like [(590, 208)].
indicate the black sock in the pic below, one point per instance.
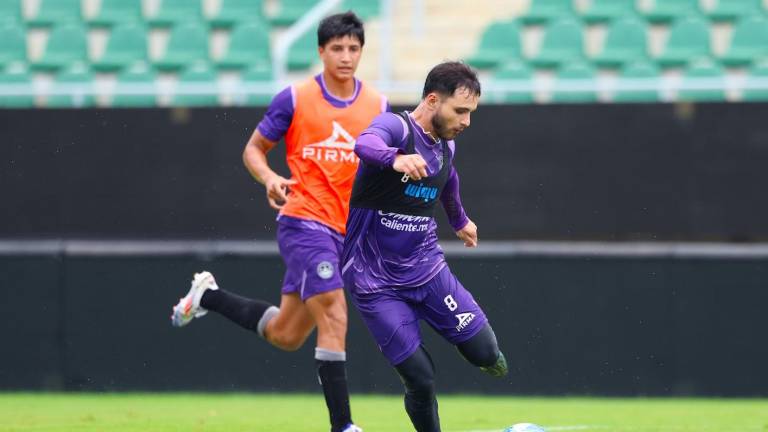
[(418, 375), (243, 311), (333, 377)]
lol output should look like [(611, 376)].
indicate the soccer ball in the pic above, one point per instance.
[(524, 427)]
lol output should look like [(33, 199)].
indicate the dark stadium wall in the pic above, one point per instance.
[(571, 172), (594, 326)]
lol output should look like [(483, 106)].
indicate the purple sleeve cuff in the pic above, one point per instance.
[(371, 149), (452, 202)]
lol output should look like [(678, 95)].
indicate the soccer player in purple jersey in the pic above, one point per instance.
[(319, 119), (392, 265)]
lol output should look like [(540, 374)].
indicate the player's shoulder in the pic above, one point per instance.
[(370, 92)]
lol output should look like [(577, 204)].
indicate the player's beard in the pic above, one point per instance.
[(441, 130)]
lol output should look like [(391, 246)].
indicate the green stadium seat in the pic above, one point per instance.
[(688, 39), (187, 44), (248, 43), (56, 12), (258, 73), (13, 45), (759, 72), (730, 10), (575, 71), (500, 42), (542, 11), (234, 12), (116, 12), (303, 53), (20, 77), (515, 71), (126, 45), (173, 12), (671, 10), (625, 42), (199, 74), (10, 12), (74, 75), (562, 43), (703, 68), (608, 10), (126, 92), (634, 73), (66, 45), (290, 11), (364, 9), (749, 42)]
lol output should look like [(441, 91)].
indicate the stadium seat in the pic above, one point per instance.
[(749, 42), (303, 53), (608, 10), (500, 42), (290, 11), (56, 12), (633, 73), (138, 75), (187, 44), (74, 75), (729, 10), (126, 45), (199, 74), (671, 10), (66, 45), (562, 43), (517, 71), (688, 39), (365, 9), (760, 72), (703, 68), (10, 12), (173, 12), (16, 101), (625, 42), (575, 71), (115, 12), (13, 45), (234, 12), (542, 11), (258, 73), (248, 43)]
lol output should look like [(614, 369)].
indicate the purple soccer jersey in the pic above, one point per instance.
[(393, 266), (385, 250), (310, 249)]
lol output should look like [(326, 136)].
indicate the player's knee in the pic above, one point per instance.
[(420, 387), (482, 350)]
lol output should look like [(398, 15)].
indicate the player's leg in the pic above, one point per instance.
[(329, 311), (418, 375), (394, 324), (452, 311)]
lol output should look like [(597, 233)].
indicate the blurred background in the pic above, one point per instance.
[(616, 170)]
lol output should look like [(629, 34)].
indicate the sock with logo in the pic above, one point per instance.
[(248, 313), (332, 373)]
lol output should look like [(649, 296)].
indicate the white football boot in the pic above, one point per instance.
[(188, 306), (352, 428)]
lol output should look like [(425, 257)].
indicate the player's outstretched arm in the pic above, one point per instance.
[(255, 160)]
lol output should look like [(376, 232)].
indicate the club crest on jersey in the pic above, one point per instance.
[(339, 147), (464, 320)]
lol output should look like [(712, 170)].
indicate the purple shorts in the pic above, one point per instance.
[(392, 316), (311, 253)]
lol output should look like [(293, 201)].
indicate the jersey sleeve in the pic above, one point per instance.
[(279, 115), (381, 141), (451, 201)]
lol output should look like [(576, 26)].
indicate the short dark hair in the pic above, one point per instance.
[(446, 77), (340, 25)]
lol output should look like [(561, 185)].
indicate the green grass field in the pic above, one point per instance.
[(299, 413)]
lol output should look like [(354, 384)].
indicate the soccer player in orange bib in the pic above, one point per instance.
[(320, 120)]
